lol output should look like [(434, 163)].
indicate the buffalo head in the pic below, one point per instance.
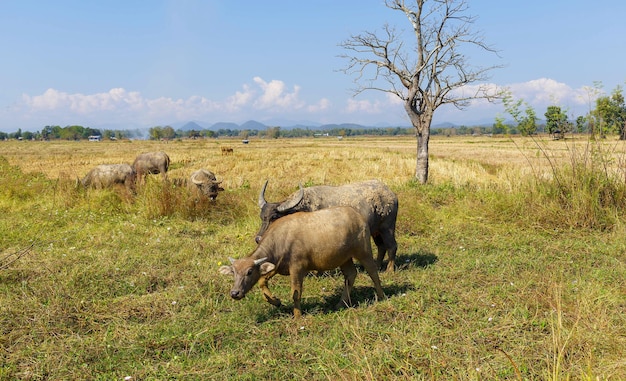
[(271, 211), (247, 272), (207, 183)]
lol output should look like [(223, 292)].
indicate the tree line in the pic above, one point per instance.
[(608, 117)]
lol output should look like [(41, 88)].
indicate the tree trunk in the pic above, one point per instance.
[(421, 168), (421, 122)]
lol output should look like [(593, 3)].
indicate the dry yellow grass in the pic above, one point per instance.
[(481, 161)]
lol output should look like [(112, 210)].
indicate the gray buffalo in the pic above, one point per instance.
[(303, 242), (107, 175), (205, 183), (372, 199), (151, 163)]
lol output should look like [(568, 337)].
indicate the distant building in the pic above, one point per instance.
[(95, 138)]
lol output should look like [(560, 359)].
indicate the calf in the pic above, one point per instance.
[(302, 242)]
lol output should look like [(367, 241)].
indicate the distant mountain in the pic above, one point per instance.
[(253, 125), (352, 126), (289, 123), (259, 126), (444, 125), (191, 126), (224, 126)]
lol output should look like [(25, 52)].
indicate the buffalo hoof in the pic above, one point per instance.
[(273, 301)]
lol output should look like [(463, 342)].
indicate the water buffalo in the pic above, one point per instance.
[(151, 162), (205, 183), (303, 242), (372, 199), (106, 175)]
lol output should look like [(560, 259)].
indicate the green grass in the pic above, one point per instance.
[(491, 284)]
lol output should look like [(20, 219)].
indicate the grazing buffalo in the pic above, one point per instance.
[(372, 199), (151, 162), (227, 151), (106, 175), (303, 242), (205, 183)]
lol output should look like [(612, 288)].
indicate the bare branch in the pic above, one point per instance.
[(9, 259), (442, 32)]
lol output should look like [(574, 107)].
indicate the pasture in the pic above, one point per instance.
[(511, 264)]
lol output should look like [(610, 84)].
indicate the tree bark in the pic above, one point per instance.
[(421, 167), (421, 120)]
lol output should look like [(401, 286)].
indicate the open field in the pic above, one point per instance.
[(504, 272)]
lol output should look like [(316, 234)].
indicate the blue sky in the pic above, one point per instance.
[(128, 64)]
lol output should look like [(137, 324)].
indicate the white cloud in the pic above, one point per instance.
[(323, 105), (363, 106), (261, 100), (274, 96), (240, 99), (539, 94), (545, 91)]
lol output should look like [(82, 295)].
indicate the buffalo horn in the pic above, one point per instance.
[(262, 201), (194, 180), (259, 261), (286, 206), (232, 260)]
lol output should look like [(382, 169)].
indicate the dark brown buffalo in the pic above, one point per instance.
[(372, 199), (303, 242), (205, 183), (151, 163), (107, 175)]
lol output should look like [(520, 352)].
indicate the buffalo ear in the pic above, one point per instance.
[(267, 267), (227, 270)]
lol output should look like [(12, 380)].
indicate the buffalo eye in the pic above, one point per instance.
[(249, 271)]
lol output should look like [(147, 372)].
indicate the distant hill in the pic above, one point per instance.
[(191, 126), (444, 125), (225, 126), (258, 126), (352, 126), (252, 125)]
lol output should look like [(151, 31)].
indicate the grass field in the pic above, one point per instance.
[(512, 264)]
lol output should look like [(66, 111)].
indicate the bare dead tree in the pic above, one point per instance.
[(429, 73)]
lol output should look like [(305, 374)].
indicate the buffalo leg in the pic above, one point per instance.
[(382, 250), (392, 248), (267, 294), (297, 278), (372, 270), (349, 274), (386, 244)]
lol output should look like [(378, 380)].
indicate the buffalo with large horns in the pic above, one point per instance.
[(372, 199)]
